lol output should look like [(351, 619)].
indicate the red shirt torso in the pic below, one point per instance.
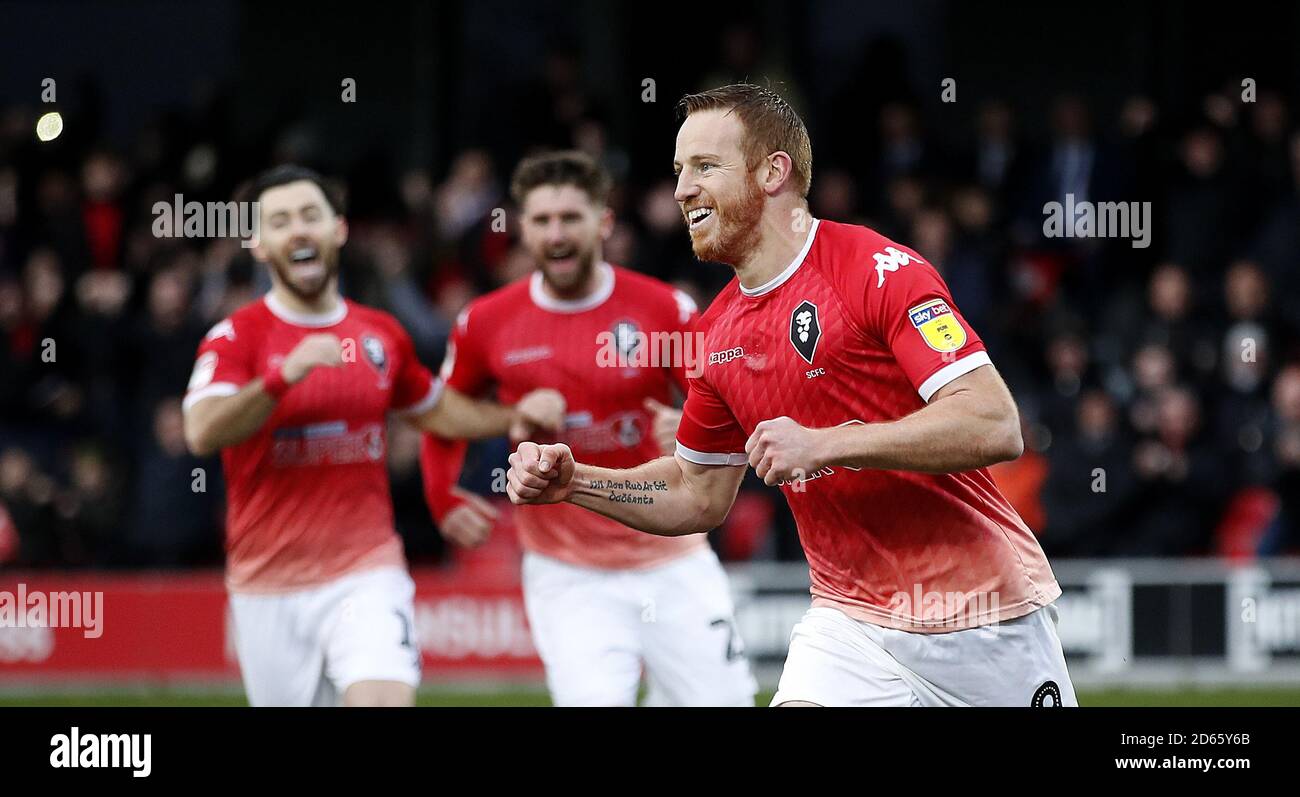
[(308, 496), (605, 354), (861, 330)]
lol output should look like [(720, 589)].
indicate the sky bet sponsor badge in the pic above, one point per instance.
[(936, 323)]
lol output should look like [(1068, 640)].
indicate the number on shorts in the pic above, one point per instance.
[(735, 646), (406, 628)]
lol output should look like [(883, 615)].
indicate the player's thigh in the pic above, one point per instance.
[(694, 655), (585, 630), (833, 662), (1013, 663), (368, 631), (279, 663)]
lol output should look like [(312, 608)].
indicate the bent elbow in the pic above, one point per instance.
[(1007, 443), (198, 441)]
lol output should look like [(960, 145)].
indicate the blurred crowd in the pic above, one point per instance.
[(1159, 387)]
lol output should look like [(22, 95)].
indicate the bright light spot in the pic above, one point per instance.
[(49, 126)]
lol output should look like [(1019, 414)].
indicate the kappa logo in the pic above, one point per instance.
[(726, 356), (892, 259), (805, 330)]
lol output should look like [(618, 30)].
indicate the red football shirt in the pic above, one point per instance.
[(606, 354), (308, 497), (860, 330)]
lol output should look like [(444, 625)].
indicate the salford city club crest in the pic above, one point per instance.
[(626, 337), (374, 350), (938, 326), (805, 330)]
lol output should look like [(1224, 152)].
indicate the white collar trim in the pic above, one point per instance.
[(537, 291), (314, 320), (780, 279)]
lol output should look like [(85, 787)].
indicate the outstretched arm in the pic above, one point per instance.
[(459, 417), (667, 496)]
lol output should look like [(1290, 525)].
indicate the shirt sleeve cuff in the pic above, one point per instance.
[(429, 401), (208, 391), (950, 372), (703, 458)]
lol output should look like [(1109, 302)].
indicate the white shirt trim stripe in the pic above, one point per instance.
[(313, 320), (605, 289), (427, 403), (950, 372), (703, 458), (780, 279), (208, 391)]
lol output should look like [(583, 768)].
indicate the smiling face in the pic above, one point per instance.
[(563, 229), (299, 239), (719, 194)]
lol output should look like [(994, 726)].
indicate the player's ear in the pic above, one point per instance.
[(340, 231), (255, 246), (776, 172), (606, 223)]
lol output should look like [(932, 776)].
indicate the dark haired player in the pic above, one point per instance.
[(604, 602), (294, 389), (844, 374)]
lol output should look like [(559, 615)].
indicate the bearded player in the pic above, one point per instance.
[(604, 601), (294, 389), (840, 369)]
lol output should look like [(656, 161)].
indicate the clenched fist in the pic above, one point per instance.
[(782, 450), (319, 349), (541, 409), (469, 524), (540, 474), (665, 423)]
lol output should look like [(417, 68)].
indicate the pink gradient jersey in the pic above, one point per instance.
[(860, 330), (308, 497), (605, 354)]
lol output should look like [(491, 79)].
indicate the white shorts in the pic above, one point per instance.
[(306, 648), (835, 660), (595, 629)]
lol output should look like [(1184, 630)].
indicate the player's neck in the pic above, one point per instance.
[(778, 244), (324, 304), (582, 290)]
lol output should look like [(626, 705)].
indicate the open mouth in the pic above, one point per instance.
[(306, 261), (697, 217), (562, 259)]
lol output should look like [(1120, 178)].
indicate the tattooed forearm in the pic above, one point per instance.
[(629, 491)]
